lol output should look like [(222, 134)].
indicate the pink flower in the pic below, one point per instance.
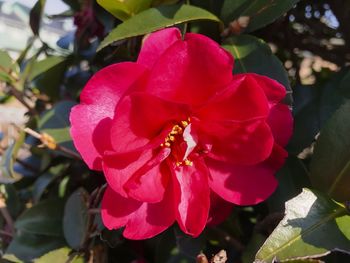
[(178, 137)]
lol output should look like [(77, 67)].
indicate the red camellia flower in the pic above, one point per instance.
[(178, 137)]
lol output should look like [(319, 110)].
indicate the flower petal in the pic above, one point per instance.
[(140, 117), (192, 194), (242, 100), (119, 168), (239, 143), (183, 74), (141, 220), (151, 219), (91, 119), (148, 184), (219, 210), (116, 210), (246, 185), (156, 44), (275, 92), (280, 121)]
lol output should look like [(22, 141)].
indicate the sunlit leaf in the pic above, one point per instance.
[(154, 19), (313, 225)]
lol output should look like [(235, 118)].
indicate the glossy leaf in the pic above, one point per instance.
[(47, 74), (55, 122), (42, 182), (154, 19), (13, 202), (27, 246), (35, 16), (59, 256), (313, 226), (7, 173), (249, 52), (75, 218), (330, 165), (261, 12), (45, 218)]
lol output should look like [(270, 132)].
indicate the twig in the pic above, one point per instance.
[(19, 96), (50, 143)]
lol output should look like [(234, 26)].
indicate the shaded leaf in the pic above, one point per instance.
[(249, 52), (306, 111), (292, 177), (35, 16), (55, 122), (313, 225), (28, 246), (187, 245), (75, 220), (7, 173), (261, 12), (330, 165), (345, 85), (47, 75), (45, 179), (154, 19), (13, 202), (253, 246), (45, 218)]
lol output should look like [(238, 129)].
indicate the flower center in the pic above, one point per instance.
[(181, 143)]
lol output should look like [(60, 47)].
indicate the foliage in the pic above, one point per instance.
[(50, 200)]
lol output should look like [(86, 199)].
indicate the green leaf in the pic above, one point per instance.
[(13, 201), (27, 246), (154, 19), (55, 122), (7, 174), (330, 165), (59, 256), (292, 177), (45, 179), (6, 66), (261, 12), (47, 75), (249, 52), (306, 112), (44, 65), (35, 16), (313, 226), (75, 220), (124, 9), (253, 246), (45, 218)]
